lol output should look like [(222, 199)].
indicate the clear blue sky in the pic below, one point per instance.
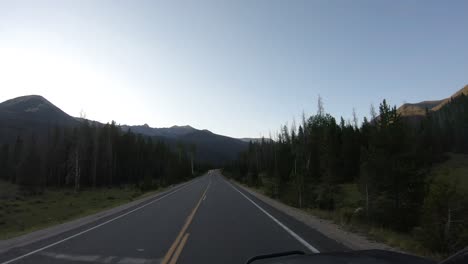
[(239, 68)]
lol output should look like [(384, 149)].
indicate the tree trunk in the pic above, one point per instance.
[(447, 225), (77, 172), (95, 155), (191, 163), (367, 202)]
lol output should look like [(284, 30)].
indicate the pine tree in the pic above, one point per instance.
[(29, 169), (17, 157), (5, 162)]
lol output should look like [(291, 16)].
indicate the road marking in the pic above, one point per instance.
[(98, 259), (101, 224), (109, 259), (204, 197), (292, 233), (176, 242), (179, 249), (81, 258), (135, 261)]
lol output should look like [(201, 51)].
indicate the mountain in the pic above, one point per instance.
[(210, 147), (30, 114), (33, 114), (255, 140), (171, 132), (416, 111), (34, 108), (463, 91)]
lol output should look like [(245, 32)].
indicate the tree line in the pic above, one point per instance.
[(92, 155), (387, 158)]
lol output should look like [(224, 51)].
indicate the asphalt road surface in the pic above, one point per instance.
[(207, 220)]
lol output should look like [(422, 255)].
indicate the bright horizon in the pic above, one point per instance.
[(240, 68)]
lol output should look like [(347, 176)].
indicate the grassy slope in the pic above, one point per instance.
[(455, 169), (22, 214)]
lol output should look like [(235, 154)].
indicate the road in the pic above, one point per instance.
[(207, 220)]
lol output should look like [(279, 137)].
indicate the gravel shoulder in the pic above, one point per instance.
[(326, 227)]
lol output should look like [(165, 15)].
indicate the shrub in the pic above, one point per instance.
[(445, 214)]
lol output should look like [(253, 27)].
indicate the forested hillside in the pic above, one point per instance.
[(380, 173), (209, 148), (91, 155), (41, 146)]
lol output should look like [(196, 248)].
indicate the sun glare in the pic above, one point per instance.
[(73, 82)]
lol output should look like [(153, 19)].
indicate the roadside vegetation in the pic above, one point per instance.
[(20, 214), (396, 180), (76, 171), (92, 155), (347, 220)]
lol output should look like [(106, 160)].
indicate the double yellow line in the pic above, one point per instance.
[(177, 246)]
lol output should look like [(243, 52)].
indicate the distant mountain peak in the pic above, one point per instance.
[(171, 132), (34, 110), (29, 104), (416, 111), (33, 101), (463, 90), (29, 97), (186, 126), (255, 140)]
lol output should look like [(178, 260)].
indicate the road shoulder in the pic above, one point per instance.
[(42, 234), (327, 228)]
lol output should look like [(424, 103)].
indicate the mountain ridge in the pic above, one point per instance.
[(173, 131), (34, 107), (34, 114), (418, 110)]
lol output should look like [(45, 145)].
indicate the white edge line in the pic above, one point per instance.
[(292, 233), (94, 227), (206, 191)]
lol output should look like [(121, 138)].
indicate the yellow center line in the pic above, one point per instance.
[(182, 231), (179, 249)]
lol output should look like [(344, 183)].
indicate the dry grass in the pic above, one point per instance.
[(455, 169), (21, 214)]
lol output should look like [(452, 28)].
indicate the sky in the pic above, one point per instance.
[(238, 68)]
